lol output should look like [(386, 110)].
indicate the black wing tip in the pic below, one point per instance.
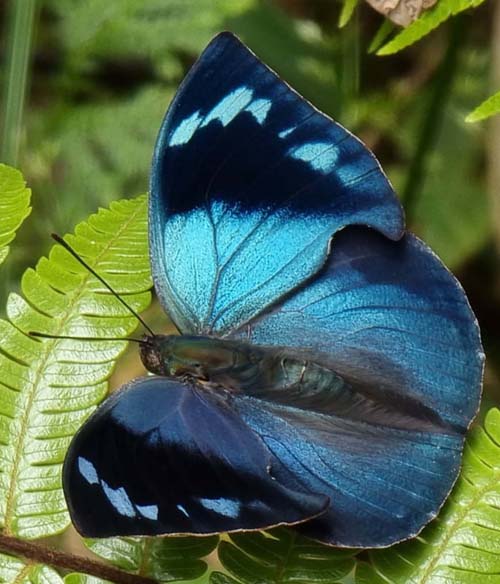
[(226, 36), (227, 40)]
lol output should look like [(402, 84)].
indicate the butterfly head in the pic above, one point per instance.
[(199, 358)]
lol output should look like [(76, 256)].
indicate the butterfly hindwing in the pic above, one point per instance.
[(384, 483), (160, 457), (391, 320), (248, 184)]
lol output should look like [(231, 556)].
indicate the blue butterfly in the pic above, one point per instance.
[(328, 365)]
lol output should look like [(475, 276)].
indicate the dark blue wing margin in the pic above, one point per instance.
[(248, 184), (159, 457)]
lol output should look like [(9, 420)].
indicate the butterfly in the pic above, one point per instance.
[(328, 364)]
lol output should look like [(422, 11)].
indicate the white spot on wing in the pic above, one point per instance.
[(119, 499), (148, 511), (229, 107), (222, 506), (185, 130), (183, 510), (88, 471), (321, 156)]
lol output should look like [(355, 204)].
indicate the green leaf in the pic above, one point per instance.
[(104, 149), (347, 11), (451, 210), (83, 579), (280, 556), (488, 108), (48, 388), (220, 578), (385, 29), (15, 571), (462, 546), (14, 206), (153, 28), (162, 558), (428, 21)]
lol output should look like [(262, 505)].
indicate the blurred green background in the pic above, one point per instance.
[(98, 75)]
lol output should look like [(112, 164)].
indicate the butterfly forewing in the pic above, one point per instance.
[(248, 184), (161, 457)]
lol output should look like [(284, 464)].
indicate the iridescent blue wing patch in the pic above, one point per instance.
[(391, 320), (160, 457), (248, 184), (384, 482), (384, 441)]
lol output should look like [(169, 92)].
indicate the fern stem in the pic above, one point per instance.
[(20, 28), (44, 555), (433, 117)]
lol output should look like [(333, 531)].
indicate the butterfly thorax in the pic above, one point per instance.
[(237, 366)]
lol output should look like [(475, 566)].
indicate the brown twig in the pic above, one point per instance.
[(45, 555)]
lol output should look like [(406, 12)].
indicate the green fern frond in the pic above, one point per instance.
[(14, 571), (162, 558), (14, 206), (154, 28), (47, 388), (106, 148), (280, 556), (428, 21), (348, 9), (488, 108), (462, 546)]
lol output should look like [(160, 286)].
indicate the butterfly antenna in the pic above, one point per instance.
[(66, 246)]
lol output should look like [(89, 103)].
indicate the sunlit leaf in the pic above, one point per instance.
[(14, 571), (488, 108), (83, 579), (385, 29), (14, 206), (428, 21), (347, 11), (47, 388), (162, 558), (462, 546), (280, 556)]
